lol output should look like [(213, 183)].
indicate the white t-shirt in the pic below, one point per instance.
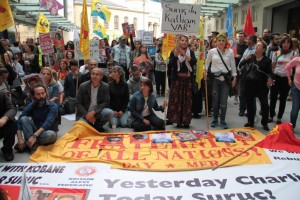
[(94, 92), (281, 61)]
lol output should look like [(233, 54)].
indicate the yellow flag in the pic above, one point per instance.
[(100, 10), (201, 54), (6, 17), (168, 45), (100, 30), (43, 24), (84, 43)]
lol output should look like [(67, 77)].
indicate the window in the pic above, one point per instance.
[(125, 19), (244, 13), (217, 24), (222, 23), (254, 13), (235, 18), (135, 23), (106, 24), (116, 22)]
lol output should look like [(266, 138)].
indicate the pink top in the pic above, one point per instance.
[(294, 63)]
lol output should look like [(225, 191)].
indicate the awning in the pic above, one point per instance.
[(28, 13)]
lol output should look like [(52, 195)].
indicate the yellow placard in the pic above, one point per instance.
[(6, 17), (43, 24)]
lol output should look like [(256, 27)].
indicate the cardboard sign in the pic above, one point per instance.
[(46, 43), (94, 50), (128, 29), (180, 18), (148, 37)]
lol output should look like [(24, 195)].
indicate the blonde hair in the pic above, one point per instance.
[(51, 71)]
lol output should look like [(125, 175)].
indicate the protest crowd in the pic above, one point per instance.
[(119, 87)]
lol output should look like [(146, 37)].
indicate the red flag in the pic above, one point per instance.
[(248, 26), (281, 138)]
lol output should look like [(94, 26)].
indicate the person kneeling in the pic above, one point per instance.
[(141, 106), (38, 122)]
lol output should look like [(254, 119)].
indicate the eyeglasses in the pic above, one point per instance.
[(221, 40)]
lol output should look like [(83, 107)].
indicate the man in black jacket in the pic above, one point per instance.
[(8, 127)]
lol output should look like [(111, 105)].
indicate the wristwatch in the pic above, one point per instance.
[(34, 136)]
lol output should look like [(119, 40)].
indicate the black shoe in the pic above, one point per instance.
[(196, 116), (186, 126), (270, 120), (169, 122), (248, 124), (7, 155), (265, 127), (241, 114), (278, 121), (179, 126)]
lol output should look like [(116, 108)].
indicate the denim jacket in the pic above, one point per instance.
[(137, 104), (116, 54)]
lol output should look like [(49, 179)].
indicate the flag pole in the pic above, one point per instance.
[(232, 158), (206, 100), (165, 99)]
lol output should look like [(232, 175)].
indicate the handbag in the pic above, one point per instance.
[(250, 72), (227, 76)]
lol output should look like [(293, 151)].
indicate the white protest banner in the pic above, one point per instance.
[(180, 18), (148, 37), (94, 50), (46, 43)]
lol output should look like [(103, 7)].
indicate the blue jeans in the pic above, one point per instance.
[(105, 115), (220, 92), (295, 104), (122, 121), (29, 128)]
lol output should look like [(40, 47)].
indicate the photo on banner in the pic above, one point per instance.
[(52, 58), (58, 39)]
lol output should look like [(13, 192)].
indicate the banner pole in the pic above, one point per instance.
[(166, 82), (206, 100), (232, 158)]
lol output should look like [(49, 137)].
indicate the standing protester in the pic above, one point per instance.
[(31, 60), (8, 128), (223, 69), (295, 87), (144, 61), (274, 45), (182, 60), (102, 55), (160, 72), (281, 85), (258, 87), (121, 54), (252, 39)]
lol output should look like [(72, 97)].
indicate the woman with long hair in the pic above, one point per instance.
[(281, 85), (119, 97), (144, 61), (102, 55), (31, 60), (141, 107), (50, 83), (181, 62), (135, 52), (260, 86), (223, 69), (160, 72), (63, 70)]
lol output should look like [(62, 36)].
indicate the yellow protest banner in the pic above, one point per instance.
[(84, 43), (43, 24), (6, 17), (139, 151)]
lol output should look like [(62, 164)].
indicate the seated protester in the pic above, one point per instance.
[(135, 79), (37, 121), (107, 71), (8, 127), (119, 97), (84, 68), (141, 107), (4, 87), (91, 65), (92, 101)]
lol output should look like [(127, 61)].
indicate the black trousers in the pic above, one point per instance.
[(155, 122), (252, 91), (8, 132), (160, 81)]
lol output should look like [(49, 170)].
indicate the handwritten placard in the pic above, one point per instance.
[(94, 50), (180, 18), (148, 37)]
